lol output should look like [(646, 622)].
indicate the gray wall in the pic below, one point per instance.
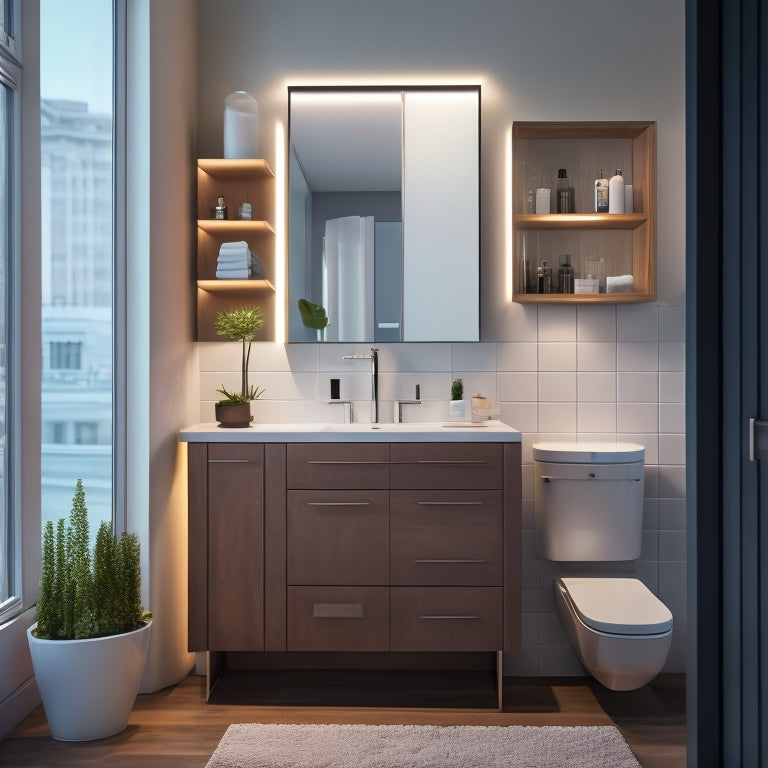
[(558, 372)]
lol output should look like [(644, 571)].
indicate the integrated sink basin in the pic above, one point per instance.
[(324, 432)]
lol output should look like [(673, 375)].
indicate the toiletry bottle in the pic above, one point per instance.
[(563, 192), (616, 193), (565, 275), (221, 209), (601, 194), (543, 278)]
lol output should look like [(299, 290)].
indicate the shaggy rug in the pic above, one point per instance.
[(421, 746)]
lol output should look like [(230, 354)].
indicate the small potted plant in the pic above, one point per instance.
[(240, 324), (90, 643), (458, 406)]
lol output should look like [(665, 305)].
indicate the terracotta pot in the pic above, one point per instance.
[(236, 415)]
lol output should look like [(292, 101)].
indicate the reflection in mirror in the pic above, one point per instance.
[(384, 213)]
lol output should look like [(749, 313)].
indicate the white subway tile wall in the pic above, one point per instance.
[(609, 373)]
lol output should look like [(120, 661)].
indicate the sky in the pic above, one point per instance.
[(76, 52)]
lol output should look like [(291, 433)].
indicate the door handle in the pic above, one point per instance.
[(758, 440)]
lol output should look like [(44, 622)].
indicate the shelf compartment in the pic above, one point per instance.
[(234, 286), (237, 228), (234, 168), (578, 221)]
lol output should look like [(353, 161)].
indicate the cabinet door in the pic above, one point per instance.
[(338, 537), (446, 538), (235, 547)]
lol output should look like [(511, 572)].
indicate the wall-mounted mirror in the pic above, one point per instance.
[(384, 212)]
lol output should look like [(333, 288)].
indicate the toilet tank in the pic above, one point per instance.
[(588, 500)]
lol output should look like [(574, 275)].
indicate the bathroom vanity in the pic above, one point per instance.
[(354, 537)]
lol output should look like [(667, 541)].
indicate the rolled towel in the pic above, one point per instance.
[(619, 284)]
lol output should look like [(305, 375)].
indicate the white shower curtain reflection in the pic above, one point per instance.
[(348, 278)]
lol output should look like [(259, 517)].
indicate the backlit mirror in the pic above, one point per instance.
[(384, 208)]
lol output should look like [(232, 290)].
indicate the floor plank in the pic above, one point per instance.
[(175, 727)]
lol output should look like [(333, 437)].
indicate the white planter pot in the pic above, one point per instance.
[(89, 687), (460, 410)]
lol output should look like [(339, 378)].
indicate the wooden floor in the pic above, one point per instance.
[(175, 727)]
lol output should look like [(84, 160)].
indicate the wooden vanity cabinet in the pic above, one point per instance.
[(354, 547), (408, 552)]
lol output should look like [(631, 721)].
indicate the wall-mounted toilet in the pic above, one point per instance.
[(589, 508)]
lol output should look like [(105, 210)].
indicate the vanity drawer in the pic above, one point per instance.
[(338, 619), (446, 538), (446, 465), (446, 618), (338, 537), (338, 465)]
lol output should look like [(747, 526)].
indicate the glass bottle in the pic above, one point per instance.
[(241, 126)]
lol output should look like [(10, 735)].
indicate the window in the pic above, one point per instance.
[(65, 355), (77, 204), (9, 520)]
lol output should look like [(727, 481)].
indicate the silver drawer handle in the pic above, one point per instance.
[(338, 611), (353, 463), (472, 562), (451, 503), (438, 618), (590, 476), (232, 461), (474, 462), (338, 503)]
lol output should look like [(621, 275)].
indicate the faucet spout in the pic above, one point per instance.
[(374, 358)]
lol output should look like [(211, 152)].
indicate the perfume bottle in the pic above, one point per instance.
[(601, 194), (221, 209), (563, 192), (565, 275), (543, 278)]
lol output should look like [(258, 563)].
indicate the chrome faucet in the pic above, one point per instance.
[(374, 358)]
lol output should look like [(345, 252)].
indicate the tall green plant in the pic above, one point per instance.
[(240, 324), (83, 596)]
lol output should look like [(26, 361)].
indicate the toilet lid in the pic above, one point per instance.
[(619, 606), (588, 453)]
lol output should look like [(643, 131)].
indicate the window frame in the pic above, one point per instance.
[(11, 77)]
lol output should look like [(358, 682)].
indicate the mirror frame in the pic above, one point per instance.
[(473, 334)]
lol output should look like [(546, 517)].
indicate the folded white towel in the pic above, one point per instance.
[(240, 245), (240, 258), (619, 284), (233, 274)]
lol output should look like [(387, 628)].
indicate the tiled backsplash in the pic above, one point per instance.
[(566, 373)]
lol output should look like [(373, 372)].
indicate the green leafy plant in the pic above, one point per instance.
[(240, 324), (83, 595), (457, 390), (312, 315)]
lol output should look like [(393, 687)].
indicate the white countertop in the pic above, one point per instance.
[(439, 432)]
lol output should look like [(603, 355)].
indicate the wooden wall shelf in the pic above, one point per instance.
[(237, 181), (626, 242)]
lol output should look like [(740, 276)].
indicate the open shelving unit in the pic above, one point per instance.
[(237, 181), (626, 242)]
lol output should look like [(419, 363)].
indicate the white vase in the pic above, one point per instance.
[(88, 687), (241, 126)]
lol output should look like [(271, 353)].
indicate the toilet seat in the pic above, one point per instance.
[(619, 606)]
